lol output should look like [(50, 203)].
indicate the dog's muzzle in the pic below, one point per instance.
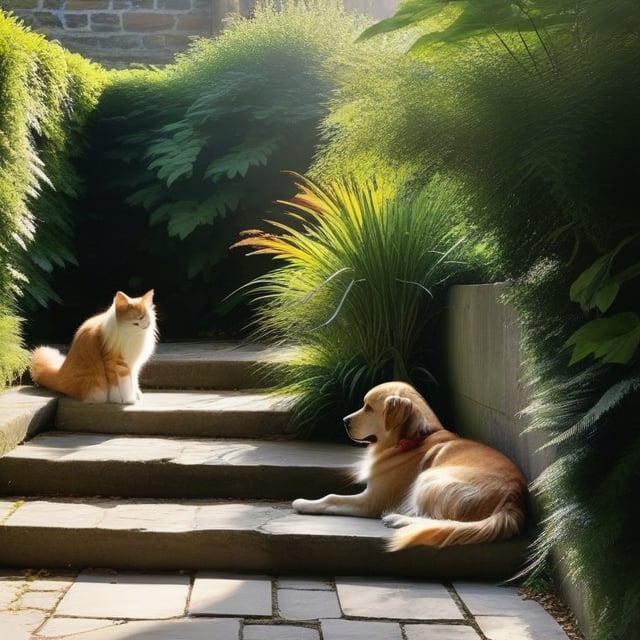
[(368, 440)]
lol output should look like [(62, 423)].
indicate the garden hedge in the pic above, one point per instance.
[(46, 96)]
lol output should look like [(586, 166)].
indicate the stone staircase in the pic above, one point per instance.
[(197, 475)]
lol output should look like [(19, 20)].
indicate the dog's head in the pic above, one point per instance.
[(393, 414)]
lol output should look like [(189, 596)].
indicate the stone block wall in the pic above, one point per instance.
[(118, 32)]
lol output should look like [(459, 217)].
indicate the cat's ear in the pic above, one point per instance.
[(147, 298), (121, 300)]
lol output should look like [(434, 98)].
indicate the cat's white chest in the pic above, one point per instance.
[(134, 344)]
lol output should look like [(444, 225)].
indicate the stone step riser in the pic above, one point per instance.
[(210, 366), (79, 464), (182, 414), (239, 552), (168, 481), (265, 538), (204, 375)]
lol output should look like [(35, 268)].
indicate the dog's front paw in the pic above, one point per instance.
[(301, 505), (395, 520)]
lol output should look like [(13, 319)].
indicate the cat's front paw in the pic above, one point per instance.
[(117, 397), (114, 396)]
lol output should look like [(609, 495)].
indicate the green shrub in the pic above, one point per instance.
[(13, 358), (362, 269), (539, 124), (46, 94), (191, 154)]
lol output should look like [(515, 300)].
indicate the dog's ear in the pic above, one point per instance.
[(396, 411), (400, 413)]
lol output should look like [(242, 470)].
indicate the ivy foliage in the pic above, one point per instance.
[(46, 95), (196, 151)]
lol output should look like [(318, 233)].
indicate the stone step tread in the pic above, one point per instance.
[(256, 536), (217, 352), (88, 447), (66, 463), (219, 413)]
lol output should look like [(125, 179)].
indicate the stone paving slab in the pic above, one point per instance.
[(102, 605), (527, 626), (220, 413), (311, 583), (66, 463), (485, 599), (125, 596), (360, 630), (367, 598), (20, 624), (185, 629), (221, 595), (502, 615), (441, 632), (279, 632), (300, 604)]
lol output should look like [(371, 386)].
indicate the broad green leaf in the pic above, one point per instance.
[(148, 197), (182, 223), (240, 158), (588, 282), (614, 340), (410, 13), (169, 209), (604, 297), (595, 287)]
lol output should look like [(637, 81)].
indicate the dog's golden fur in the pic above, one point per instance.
[(438, 489)]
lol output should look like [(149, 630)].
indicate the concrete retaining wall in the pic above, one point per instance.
[(484, 371), (485, 375)]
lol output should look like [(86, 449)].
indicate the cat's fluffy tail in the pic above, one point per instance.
[(45, 365)]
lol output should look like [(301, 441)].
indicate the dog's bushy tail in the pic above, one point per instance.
[(44, 367), (444, 533)]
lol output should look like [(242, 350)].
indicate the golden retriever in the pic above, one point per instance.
[(438, 489)]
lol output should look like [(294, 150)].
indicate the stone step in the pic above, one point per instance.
[(82, 464), (24, 411), (214, 414), (248, 537), (210, 365)]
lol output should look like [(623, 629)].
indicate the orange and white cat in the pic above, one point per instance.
[(106, 355)]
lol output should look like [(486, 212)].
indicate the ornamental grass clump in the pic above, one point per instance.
[(362, 266)]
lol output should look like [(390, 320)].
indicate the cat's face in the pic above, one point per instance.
[(134, 312)]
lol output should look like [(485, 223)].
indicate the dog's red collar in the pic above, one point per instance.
[(406, 444)]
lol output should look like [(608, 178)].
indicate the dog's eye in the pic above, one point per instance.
[(368, 407)]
